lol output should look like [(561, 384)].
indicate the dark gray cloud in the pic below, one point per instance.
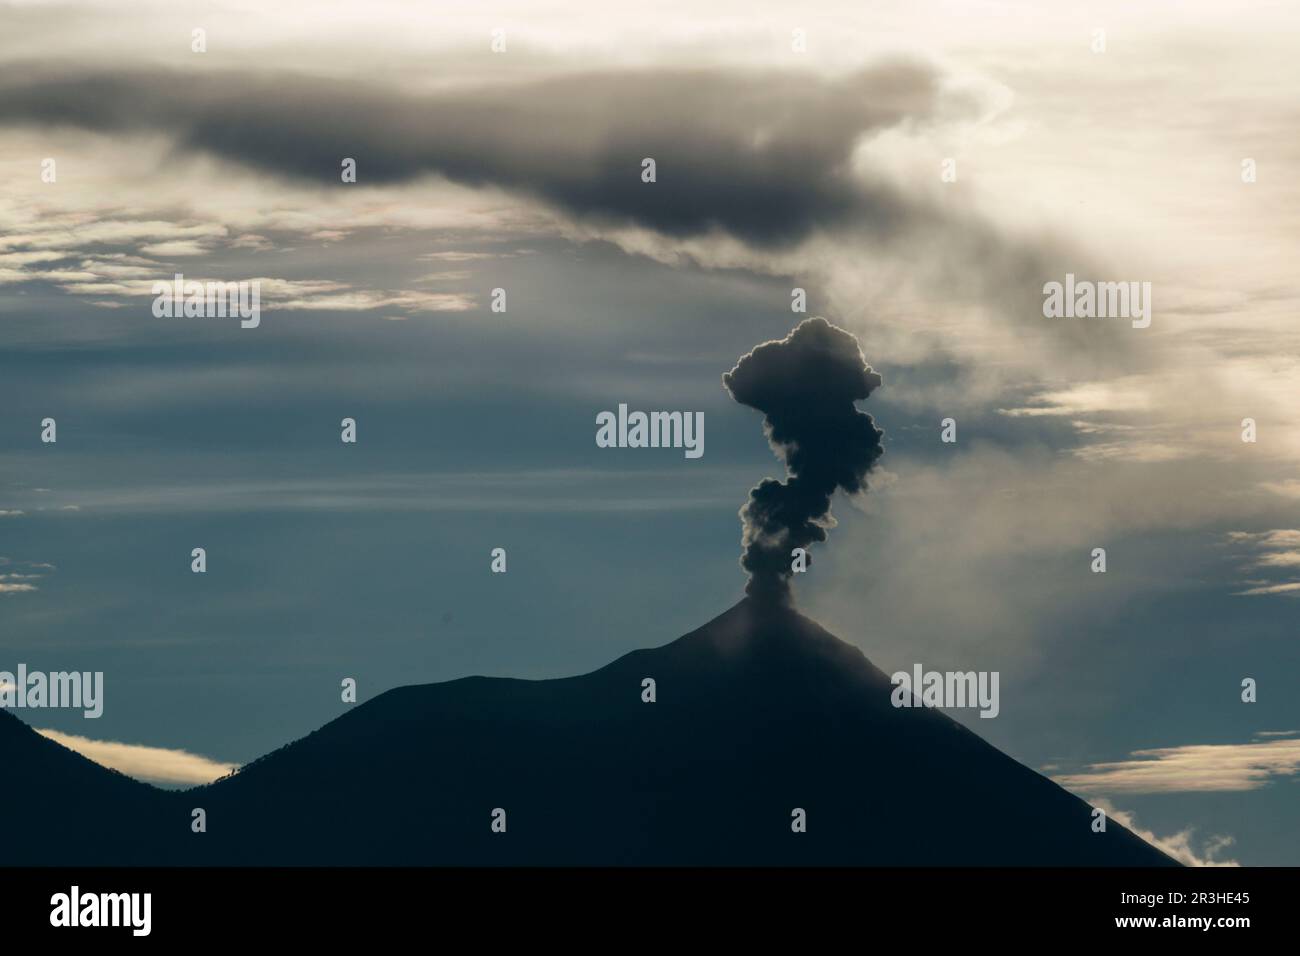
[(763, 156), (805, 385)]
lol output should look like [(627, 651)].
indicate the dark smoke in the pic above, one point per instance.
[(764, 156), (805, 386)]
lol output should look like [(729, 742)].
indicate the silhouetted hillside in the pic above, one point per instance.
[(58, 807), (758, 712)]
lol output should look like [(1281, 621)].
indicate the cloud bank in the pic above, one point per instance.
[(763, 156), (158, 765), (1196, 768)]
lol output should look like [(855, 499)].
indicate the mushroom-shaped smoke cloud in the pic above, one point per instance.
[(805, 385)]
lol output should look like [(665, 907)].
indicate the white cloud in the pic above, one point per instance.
[(1272, 550), (180, 247), (1195, 768), (1278, 538), (1179, 845), (1089, 397), (1290, 587), (128, 275), (151, 764)]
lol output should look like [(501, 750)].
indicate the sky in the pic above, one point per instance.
[(921, 170)]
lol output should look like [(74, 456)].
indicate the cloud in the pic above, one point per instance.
[(14, 582), (28, 258), (549, 490), (1085, 398), (1289, 587), (1290, 488), (1278, 538), (761, 155), (79, 233), (1179, 846), (923, 528), (152, 764), (96, 277), (1278, 559), (252, 241), (780, 172), (1274, 550), (1195, 768), (180, 247), (453, 255)]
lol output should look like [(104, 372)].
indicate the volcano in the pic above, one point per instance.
[(757, 715)]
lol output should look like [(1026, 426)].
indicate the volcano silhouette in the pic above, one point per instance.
[(757, 713)]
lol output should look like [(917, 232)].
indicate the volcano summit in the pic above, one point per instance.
[(757, 715)]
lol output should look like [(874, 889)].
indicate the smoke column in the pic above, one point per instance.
[(805, 386)]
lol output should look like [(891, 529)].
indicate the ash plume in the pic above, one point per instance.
[(764, 156), (805, 385)]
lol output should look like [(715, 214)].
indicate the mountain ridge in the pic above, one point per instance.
[(758, 712)]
